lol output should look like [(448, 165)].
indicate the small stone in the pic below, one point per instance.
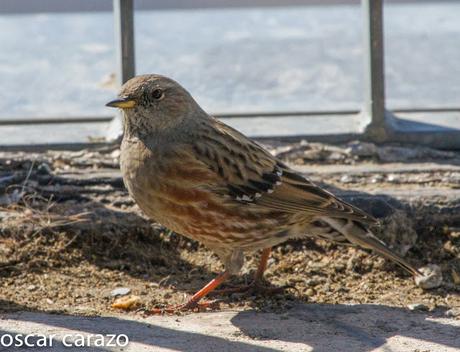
[(346, 179), (417, 306), (362, 149), (49, 301), (339, 267), (377, 178), (115, 154), (44, 169), (31, 287), (455, 277), (127, 302), (452, 313), (120, 291), (450, 248), (310, 292), (392, 178), (432, 277), (454, 233), (311, 282)]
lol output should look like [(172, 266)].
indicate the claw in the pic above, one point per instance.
[(254, 287), (186, 307)]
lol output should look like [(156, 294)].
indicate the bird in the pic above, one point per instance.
[(203, 179)]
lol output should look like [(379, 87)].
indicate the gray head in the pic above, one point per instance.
[(154, 104)]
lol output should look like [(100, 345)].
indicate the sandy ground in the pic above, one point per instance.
[(304, 327)]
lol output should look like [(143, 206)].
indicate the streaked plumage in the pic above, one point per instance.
[(205, 180)]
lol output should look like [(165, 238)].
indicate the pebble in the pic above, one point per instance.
[(432, 277), (417, 306), (453, 312), (311, 282), (127, 302), (346, 179), (362, 149), (376, 178), (115, 154), (392, 178), (44, 169), (31, 287), (455, 277), (120, 291)]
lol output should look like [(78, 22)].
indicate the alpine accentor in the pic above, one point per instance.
[(205, 180)]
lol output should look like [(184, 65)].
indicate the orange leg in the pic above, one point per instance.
[(262, 264), (256, 285), (194, 301)]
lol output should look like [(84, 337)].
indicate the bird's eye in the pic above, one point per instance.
[(157, 94)]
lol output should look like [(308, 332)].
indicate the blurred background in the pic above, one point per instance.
[(58, 57)]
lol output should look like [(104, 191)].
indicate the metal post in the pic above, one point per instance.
[(374, 81), (124, 39), (123, 12)]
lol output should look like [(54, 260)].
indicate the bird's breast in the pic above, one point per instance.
[(167, 186), (176, 190), (138, 165)]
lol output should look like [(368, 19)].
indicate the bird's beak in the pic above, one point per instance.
[(122, 103)]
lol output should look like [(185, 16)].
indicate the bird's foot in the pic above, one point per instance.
[(190, 306), (255, 287)]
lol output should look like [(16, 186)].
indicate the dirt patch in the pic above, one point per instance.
[(69, 235)]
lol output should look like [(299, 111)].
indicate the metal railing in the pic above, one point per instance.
[(379, 125), (375, 123)]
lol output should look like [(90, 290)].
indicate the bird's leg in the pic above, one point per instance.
[(194, 302), (259, 275), (257, 284)]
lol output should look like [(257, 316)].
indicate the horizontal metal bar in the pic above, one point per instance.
[(95, 119), (427, 109), (53, 120), (284, 114), (329, 112), (437, 129), (56, 136), (43, 147)]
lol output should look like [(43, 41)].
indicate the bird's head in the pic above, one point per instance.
[(154, 104)]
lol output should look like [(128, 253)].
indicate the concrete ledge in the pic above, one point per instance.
[(305, 327)]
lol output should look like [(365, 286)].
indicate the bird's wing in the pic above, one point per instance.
[(250, 174)]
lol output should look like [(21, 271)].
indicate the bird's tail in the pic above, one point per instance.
[(357, 234)]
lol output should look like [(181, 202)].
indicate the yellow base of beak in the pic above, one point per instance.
[(121, 103)]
